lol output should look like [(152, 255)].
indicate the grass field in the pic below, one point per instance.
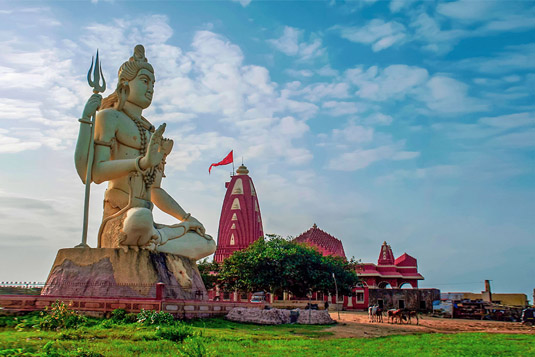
[(219, 337)]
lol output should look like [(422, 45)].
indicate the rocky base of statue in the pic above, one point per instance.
[(109, 272), (280, 316)]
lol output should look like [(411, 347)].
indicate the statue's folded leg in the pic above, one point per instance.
[(136, 229), (192, 245)]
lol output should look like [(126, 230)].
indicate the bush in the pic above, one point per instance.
[(130, 318), (118, 315), (8, 321), (149, 317), (59, 316), (176, 333)]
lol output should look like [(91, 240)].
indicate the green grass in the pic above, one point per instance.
[(221, 337)]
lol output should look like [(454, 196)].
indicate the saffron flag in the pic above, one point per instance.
[(229, 159)]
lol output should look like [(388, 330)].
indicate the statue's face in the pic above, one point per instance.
[(141, 89)]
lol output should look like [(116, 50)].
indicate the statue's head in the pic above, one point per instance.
[(135, 84)]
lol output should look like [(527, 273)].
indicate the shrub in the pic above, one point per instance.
[(176, 333), (8, 321), (130, 318), (149, 317), (118, 315), (59, 316), (106, 323)]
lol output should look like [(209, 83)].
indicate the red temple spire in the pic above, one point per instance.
[(386, 257), (240, 223)]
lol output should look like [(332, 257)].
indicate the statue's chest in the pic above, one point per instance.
[(133, 136)]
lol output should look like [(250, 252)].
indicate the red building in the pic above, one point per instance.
[(240, 223), (390, 272), (322, 241)]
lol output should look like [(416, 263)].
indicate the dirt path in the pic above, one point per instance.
[(355, 324)]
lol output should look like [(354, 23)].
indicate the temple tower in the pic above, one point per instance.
[(386, 257), (240, 223)]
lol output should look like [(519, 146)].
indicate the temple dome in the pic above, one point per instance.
[(242, 170), (323, 241)]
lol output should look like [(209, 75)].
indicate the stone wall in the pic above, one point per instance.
[(413, 299)]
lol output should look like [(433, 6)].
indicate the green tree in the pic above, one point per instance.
[(279, 264), (209, 271)]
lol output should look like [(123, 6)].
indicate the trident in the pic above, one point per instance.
[(97, 88)]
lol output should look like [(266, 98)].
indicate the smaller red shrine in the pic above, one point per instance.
[(322, 241), (390, 271)]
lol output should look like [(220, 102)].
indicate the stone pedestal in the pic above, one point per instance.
[(109, 272)]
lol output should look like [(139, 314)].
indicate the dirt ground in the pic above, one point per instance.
[(356, 324)]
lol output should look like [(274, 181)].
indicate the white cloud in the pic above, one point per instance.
[(327, 71), (398, 5), (335, 108), (13, 145), (428, 30), (513, 58), (394, 82), (457, 20), (377, 33), (18, 109), (290, 44), (432, 173), (362, 158), (509, 121), (318, 91), (243, 3), (353, 134), (491, 15), (449, 96), (378, 119), (300, 73), (466, 10), (517, 140)]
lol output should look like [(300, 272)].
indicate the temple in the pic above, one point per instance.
[(325, 243), (240, 223), (390, 272)]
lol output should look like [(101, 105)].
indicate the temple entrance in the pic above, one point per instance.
[(406, 286), (380, 303)]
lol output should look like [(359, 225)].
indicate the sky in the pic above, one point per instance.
[(400, 121)]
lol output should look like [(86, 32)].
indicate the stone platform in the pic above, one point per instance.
[(109, 272), (279, 316)]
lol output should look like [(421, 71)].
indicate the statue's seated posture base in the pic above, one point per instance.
[(109, 272)]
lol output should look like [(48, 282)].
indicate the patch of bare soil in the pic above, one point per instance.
[(356, 324)]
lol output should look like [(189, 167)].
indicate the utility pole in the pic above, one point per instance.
[(336, 288)]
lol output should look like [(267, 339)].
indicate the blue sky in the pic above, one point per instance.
[(405, 121)]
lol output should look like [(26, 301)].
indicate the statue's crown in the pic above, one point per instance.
[(138, 61)]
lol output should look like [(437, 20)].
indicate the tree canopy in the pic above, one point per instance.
[(278, 264)]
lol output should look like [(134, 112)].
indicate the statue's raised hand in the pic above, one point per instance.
[(155, 150), (92, 105)]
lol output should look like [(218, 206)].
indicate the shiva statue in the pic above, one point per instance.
[(130, 154)]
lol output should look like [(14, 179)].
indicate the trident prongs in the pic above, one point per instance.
[(97, 74)]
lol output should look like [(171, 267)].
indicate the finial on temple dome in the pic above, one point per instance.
[(242, 170)]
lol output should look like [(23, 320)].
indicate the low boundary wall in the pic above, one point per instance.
[(104, 306)]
